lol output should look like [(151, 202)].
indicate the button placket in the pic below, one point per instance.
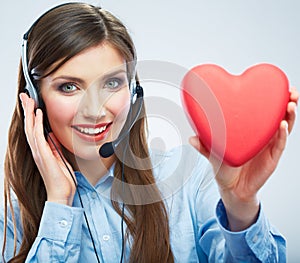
[(102, 228)]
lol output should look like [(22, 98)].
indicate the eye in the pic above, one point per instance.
[(67, 87), (114, 83)]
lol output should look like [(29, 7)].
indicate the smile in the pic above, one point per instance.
[(95, 131), (91, 131)]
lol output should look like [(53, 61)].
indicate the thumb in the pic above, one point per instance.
[(196, 143)]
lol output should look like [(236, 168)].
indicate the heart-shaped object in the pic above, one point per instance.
[(235, 116)]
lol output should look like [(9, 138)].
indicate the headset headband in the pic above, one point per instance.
[(30, 88)]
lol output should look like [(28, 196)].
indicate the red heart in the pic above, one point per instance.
[(235, 116)]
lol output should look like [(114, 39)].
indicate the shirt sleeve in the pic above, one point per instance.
[(261, 242), (59, 235)]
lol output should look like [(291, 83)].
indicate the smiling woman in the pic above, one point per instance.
[(82, 76), (64, 202)]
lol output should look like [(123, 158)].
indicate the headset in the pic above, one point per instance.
[(107, 149)]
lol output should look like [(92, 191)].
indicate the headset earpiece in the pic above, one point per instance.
[(133, 91), (136, 90), (30, 89)]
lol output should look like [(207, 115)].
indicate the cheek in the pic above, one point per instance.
[(59, 113), (119, 104)]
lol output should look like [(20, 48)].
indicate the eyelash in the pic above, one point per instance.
[(118, 81)]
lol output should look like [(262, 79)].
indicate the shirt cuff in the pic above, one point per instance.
[(256, 237), (61, 223)]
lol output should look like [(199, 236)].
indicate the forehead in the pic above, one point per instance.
[(92, 63)]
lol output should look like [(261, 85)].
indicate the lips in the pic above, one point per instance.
[(92, 132)]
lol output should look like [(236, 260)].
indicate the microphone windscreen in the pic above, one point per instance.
[(106, 150)]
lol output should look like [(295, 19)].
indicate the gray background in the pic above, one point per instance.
[(232, 33)]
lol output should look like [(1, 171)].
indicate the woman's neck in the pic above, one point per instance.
[(93, 170)]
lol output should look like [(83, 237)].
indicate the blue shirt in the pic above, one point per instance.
[(197, 219)]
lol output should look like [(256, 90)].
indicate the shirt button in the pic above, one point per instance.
[(94, 195), (106, 237), (63, 223), (254, 239)]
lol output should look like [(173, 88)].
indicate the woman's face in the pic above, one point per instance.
[(87, 100)]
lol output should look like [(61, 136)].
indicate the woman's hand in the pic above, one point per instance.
[(59, 184), (238, 186)]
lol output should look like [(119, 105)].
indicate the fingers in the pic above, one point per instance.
[(294, 95), (280, 142), (41, 146), (28, 108), (195, 142), (33, 125), (291, 115), (292, 108)]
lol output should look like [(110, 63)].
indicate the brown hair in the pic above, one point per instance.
[(78, 26)]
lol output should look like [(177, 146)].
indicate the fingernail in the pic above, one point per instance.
[(286, 126)]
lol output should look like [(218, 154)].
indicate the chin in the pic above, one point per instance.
[(87, 154)]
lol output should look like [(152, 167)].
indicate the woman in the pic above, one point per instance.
[(82, 62)]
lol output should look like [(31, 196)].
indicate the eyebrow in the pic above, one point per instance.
[(81, 81)]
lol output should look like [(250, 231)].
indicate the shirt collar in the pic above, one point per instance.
[(103, 183)]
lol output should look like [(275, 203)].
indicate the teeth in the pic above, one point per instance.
[(91, 131)]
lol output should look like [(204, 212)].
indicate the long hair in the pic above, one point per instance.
[(57, 36)]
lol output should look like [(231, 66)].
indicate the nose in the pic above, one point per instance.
[(93, 103)]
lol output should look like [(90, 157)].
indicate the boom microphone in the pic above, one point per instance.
[(108, 149)]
